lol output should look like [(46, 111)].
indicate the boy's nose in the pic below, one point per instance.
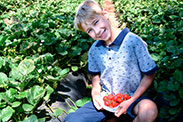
[(97, 31)]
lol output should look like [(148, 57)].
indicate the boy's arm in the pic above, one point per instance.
[(144, 85), (96, 88)]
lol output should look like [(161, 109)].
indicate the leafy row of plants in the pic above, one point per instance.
[(38, 47), (160, 24)]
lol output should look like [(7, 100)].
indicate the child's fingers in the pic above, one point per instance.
[(120, 111)]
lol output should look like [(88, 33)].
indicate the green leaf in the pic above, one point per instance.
[(178, 75), (2, 104), (181, 92), (35, 94), (6, 113), (22, 95), (171, 49), (172, 111), (27, 107), (15, 74), (169, 97), (13, 83), (155, 84), (163, 86), (64, 72), (163, 112), (74, 68), (1, 62), (26, 66), (178, 62), (51, 78), (2, 40), (174, 102), (173, 85), (155, 56), (76, 51), (3, 79), (49, 91), (173, 16), (10, 94), (15, 104), (32, 118), (83, 101), (58, 112), (41, 120), (72, 109)]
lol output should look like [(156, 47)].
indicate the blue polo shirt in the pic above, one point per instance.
[(122, 63)]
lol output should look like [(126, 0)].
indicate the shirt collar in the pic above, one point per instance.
[(117, 41)]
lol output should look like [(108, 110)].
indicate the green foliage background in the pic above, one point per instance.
[(42, 46), (160, 24)]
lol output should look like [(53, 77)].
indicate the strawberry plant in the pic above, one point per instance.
[(38, 47), (160, 24)]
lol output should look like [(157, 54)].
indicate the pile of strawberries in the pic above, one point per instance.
[(114, 100)]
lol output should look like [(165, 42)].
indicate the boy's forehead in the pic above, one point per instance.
[(89, 20)]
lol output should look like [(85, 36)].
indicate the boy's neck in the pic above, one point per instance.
[(115, 32)]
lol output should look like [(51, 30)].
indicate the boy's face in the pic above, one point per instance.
[(98, 28)]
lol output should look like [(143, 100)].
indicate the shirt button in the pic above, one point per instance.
[(109, 58), (109, 49)]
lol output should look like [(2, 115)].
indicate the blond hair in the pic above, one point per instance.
[(89, 9)]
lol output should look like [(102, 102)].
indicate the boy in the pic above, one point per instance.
[(116, 60)]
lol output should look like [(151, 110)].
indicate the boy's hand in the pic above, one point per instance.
[(122, 108), (96, 101)]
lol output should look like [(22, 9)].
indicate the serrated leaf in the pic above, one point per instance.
[(26, 66), (35, 94), (15, 74)]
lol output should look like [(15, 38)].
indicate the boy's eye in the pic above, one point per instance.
[(89, 30), (96, 22)]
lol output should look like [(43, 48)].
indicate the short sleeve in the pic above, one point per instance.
[(146, 63), (93, 68)]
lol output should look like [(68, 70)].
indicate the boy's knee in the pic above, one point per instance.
[(148, 110)]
